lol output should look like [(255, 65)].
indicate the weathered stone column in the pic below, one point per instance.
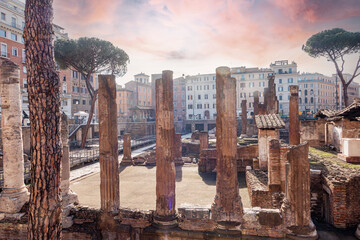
[(178, 150), (14, 194), (165, 167), (256, 103), (204, 140), (68, 196), (243, 118), (274, 180), (294, 128), (108, 146), (227, 207), (297, 203), (126, 160)]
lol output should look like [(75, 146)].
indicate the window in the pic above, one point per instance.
[(3, 50), (24, 57), (13, 22), (199, 97), (280, 106), (3, 16), (190, 97), (183, 104), (261, 76), (242, 85), (199, 106), (24, 83), (2, 33), (64, 103), (306, 93), (75, 74), (214, 105), (189, 88), (190, 106), (251, 84), (174, 96), (13, 37), (214, 96), (84, 102), (290, 70), (183, 96), (22, 40), (174, 104), (76, 101), (280, 97), (24, 69), (64, 86), (14, 52), (306, 101), (290, 80), (300, 101), (311, 100), (206, 96), (280, 80), (280, 89), (214, 86)]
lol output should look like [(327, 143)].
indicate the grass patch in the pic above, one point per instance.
[(329, 157)]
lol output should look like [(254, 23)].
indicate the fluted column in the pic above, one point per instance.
[(165, 166), (68, 196), (204, 140), (294, 128), (227, 206), (126, 160), (14, 194), (108, 146), (243, 118), (178, 150)]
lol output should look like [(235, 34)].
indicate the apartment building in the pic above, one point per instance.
[(125, 99), (249, 80), (141, 86), (179, 98), (74, 95), (353, 89), (286, 74), (316, 91)]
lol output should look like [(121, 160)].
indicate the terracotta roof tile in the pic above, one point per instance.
[(270, 121)]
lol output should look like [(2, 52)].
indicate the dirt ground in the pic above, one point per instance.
[(138, 188)]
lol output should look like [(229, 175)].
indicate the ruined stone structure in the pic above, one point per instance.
[(165, 166), (313, 132), (108, 144), (204, 140), (271, 103), (126, 160), (178, 150), (268, 126), (14, 193), (294, 130), (256, 103), (227, 207), (69, 198), (243, 118)]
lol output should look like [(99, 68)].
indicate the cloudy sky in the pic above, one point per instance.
[(196, 36)]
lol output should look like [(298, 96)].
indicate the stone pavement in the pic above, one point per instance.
[(138, 188)]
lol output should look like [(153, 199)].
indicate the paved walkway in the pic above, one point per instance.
[(138, 188)]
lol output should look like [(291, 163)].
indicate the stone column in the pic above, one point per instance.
[(294, 129), (165, 215), (256, 103), (126, 160), (68, 196), (243, 118), (108, 146), (178, 150), (14, 194), (204, 140), (274, 180), (227, 207), (297, 203)]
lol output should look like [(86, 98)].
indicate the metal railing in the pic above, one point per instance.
[(90, 154)]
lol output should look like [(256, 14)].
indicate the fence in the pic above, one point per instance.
[(89, 154)]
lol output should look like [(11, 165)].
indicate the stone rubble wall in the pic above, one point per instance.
[(313, 132)]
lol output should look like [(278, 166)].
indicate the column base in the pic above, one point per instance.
[(233, 218), (12, 200), (165, 222), (69, 198), (357, 233), (305, 232), (126, 162), (229, 228)]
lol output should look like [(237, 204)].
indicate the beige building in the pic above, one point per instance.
[(125, 99), (141, 87), (249, 80)]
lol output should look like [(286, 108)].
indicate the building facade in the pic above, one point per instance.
[(249, 80), (286, 74), (353, 89), (125, 100), (141, 87), (179, 93)]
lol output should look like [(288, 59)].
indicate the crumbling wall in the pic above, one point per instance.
[(259, 193), (313, 132)]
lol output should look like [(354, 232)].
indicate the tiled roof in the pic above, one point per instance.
[(351, 111), (325, 113), (270, 121)]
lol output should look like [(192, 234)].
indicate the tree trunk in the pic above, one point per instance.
[(83, 141), (345, 93), (44, 106)]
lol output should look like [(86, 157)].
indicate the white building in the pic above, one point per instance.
[(286, 74), (249, 80), (201, 97)]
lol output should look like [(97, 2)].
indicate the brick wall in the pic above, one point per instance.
[(313, 132), (259, 194)]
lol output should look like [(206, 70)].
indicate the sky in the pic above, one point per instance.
[(196, 36)]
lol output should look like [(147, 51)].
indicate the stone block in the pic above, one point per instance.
[(270, 218)]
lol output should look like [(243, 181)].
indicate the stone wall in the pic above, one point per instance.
[(259, 193), (313, 132)]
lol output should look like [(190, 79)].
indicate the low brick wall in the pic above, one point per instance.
[(259, 194)]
